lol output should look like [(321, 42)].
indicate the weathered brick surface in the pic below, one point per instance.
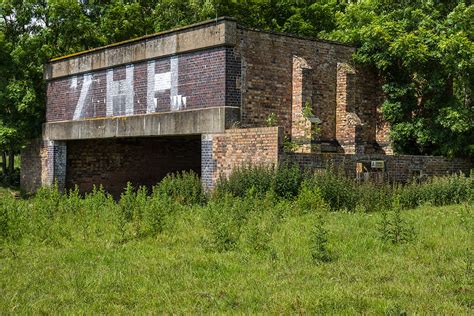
[(271, 84), (56, 163), (203, 79), (221, 153), (34, 159), (398, 168), (302, 96), (142, 161)]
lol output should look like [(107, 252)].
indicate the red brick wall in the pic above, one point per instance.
[(266, 85), (201, 79), (397, 168), (142, 161), (239, 147)]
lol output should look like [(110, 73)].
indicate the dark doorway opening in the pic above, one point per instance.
[(142, 161)]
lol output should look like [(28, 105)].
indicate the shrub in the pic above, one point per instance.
[(310, 200), (223, 224), (339, 192), (257, 232), (287, 180), (157, 212), (437, 191), (410, 195), (373, 197), (241, 180), (447, 190), (131, 206), (182, 187), (226, 218), (13, 218)]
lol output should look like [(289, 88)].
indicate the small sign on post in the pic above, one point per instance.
[(377, 164)]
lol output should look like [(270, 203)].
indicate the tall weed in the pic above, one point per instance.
[(452, 189), (394, 228), (339, 192), (284, 180), (243, 179), (319, 241), (287, 180), (182, 187)]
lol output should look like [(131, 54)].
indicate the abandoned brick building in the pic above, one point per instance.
[(200, 98)]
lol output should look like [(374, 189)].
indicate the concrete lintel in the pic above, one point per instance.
[(201, 121), (204, 35)]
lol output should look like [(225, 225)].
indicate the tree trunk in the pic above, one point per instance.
[(11, 161), (4, 162)]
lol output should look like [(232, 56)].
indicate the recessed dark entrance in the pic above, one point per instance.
[(142, 161)]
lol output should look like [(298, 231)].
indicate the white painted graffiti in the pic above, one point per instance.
[(160, 82), (86, 83), (120, 94)]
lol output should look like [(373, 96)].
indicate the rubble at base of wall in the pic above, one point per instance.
[(393, 168)]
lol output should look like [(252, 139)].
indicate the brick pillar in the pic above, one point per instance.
[(382, 133), (34, 159), (348, 124), (302, 94), (208, 163), (56, 164)]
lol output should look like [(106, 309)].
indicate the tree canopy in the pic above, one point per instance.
[(422, 49)]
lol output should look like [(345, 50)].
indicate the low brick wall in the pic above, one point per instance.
[(221, 153), (398, 168)]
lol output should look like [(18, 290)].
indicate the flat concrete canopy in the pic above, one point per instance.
[(189, 122)]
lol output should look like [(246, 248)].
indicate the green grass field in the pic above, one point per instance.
[(85, 268)]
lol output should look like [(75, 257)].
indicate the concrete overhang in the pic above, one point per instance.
[(204, 35), (189, 122)]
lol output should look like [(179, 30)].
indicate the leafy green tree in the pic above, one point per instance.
[(31, 32), (424, 52)]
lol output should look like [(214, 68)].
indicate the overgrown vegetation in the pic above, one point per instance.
[(269, 240), (342, 193)]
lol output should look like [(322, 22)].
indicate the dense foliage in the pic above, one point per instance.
[(423, 51), (245, 250)]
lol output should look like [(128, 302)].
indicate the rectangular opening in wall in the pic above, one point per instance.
[(142, 161)]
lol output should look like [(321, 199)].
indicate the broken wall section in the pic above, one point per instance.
[(43, 163), (281, 74)]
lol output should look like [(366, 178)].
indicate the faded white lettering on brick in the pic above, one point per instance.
[(176, 99), (86, 83), (150, 88), (119, 93), (161, 82), (74, 82)]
